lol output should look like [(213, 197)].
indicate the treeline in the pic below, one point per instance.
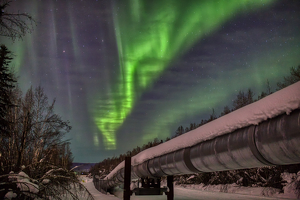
[(244, 98), (264, 176)]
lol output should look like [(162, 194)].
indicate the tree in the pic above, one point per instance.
[(192, 126), (59, 155), (179, 131), (291, 79), (264, 94), (225, 111), (36, 132), (14, 25), (7, 82), (269, 91), (243, 99), (212, 116), (250, 95), (186, 129)]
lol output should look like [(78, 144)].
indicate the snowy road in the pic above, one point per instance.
[(180, 194), (191, 194), (88, 183)]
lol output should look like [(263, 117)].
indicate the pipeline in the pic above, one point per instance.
[(272, 142)]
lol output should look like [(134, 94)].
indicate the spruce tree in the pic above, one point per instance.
[(7, 82)]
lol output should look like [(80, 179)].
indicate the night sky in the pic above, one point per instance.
[(125, 72)]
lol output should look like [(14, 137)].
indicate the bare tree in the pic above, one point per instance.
[(292, 78), (14, 25), (36, 131)]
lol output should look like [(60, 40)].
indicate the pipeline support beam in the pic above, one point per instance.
[(170, 185), (127, 179)]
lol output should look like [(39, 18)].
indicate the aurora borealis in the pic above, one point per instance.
[(140, 40), (125, 72)]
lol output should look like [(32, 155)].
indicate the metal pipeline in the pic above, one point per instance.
[(272, 142)]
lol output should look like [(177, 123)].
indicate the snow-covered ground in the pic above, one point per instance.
[(196, 192), (88, 183), (236, 191)]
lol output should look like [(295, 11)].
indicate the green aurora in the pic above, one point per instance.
[(150, 36)]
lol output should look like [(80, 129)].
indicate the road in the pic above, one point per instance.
[(192, 194)]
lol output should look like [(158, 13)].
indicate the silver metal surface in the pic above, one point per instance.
[(183, 163), (142, 171), (230, 151), (167, 164), (278, 139), (155, 168)]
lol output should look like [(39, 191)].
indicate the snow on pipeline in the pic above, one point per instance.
[(280, 102)]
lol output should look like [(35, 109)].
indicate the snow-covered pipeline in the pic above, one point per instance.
[(266, 132)]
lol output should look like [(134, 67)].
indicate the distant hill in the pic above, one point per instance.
[(82, 167)]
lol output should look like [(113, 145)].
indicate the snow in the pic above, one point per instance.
[(45, 181), (280, 102), (88, 183), (259, 192), (292, 180), (116, 169), (191, 177), (195, 194), (51, 171), (10, 195), (25, 184)]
